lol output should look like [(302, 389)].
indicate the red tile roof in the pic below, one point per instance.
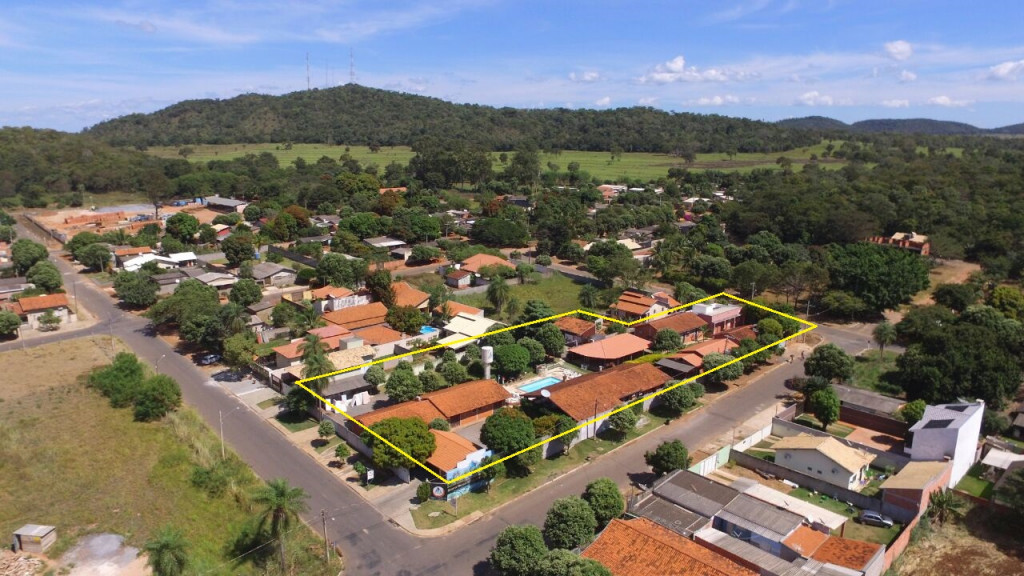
[(361, 316), (406, 295), (601, 391), (44, 302), (634, 302), (739, 333), (377, 335), (852, 554), (805, 540), (421, 409), (459, 274), (694, 354), (477, 261), (133, 251), (451, 449), (463, 398), (612, 348), (682, 323), (576, 326), (639, 547), (331, 330), (331, 292), (457, 308), (291, 349)]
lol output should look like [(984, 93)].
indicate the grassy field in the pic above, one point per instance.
[(630, 165), (869, 372), (70, 460), (560, 293)]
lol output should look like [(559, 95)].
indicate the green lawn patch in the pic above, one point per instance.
[(869, 373), (762, 454), (857, 531), (558, 291), (267, 348), (269, 402), (826, 502), (329, 444), (976, 487), (837, 429), (296, 421)]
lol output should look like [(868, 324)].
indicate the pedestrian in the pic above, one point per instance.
[(802, 352)]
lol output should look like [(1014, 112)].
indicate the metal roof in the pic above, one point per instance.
[(669, 515), (760, 517), (695, 493), (39, 530)]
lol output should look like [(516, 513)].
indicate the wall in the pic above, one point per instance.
[(294, 256), (816, 464), (877, 422), (883, 459)]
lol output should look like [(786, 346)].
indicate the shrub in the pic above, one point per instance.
[(423, 491)]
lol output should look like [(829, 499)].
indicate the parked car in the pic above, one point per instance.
[(875, 519), (180, 203), (207, 359)]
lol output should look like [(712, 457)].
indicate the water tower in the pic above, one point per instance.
[(487, 357)]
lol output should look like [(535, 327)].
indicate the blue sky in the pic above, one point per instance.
[(68, 65)]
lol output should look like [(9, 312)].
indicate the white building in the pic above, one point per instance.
[(948, 431)]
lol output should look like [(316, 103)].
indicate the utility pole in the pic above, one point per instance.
[(327, 548), (752, 285), (220, 415)]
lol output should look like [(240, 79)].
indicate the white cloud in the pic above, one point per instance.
[(585, 77), (647, 101), (603, 101), (715, 100), (675, 70), (814, 98), (948, 102), (1006, 70), (899, 49), (896, 103), (907, 76)]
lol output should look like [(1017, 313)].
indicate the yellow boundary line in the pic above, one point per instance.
[(810, 326)]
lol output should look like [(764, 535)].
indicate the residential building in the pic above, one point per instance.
[(720, 317), (31, 308), (332, 337), (454, 455), (222, 282), (911, 488), (757, 523), (867, 558), (824, 457), (639, 547), (948, 431), (220, 204), (125, 253), (479, 261), (634, 305), (576, 331), (331, 298), (688, 325), (271, 274), (453, 308), (607, 352), (384, 242), (460, 404), (905, 240), (355, 317), (379, 335), (329, 221), (464, 326), (408, 296), (739, 333), (458, 278), (169, 262)]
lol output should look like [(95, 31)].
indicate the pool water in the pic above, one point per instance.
[(538, 384), (428, 330)]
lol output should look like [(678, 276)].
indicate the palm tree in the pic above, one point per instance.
[(498, 293), (281, 505), (884, 334), (514, 307), (166, 552), (588, 296), (944, 504), (314, 363), (307, 319)]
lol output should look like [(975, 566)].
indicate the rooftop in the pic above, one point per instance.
[(576, 326), (422, 409), (805, 540), (947, 415), (379, 334), (466, 397), (468, 325), (760, 517), (384, 242), (695, 493), (868, 399), (406, 295), (851, 459), (669, 515), (45, 302), (634, 302), (681, 322), (225, 201), (354, 317), (612, 348), (330, 292), (265, 270), (451, 449), (853, 554), (477, 261), (456, 308), (915, 476), (601, 391)]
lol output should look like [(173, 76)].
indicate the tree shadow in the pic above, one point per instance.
[(642, 480)]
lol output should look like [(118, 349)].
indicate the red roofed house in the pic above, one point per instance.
[(331, 336), (454, 455), (127, 253), (455, 308), (460, 404), (634, 305), (477, 261), (865, 557), (406, 295), (719, 316), (639, 547), (377, 335), (694, 354), (739, 333), (576, 331), (610, 351), (458, 278), (591, 395), (30, 309), (355, 317), (688, 325)]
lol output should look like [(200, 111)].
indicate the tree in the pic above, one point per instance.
[(770, 327), (375, 376), (489, 469), (517, 550), (884, 334), (183, 227), (511, 360), (342, 452), (605, 499), (245, 292), (881, 277), (325, 430), (409, 434), (280, 506), (1011, 492), (536, 350), (119, 381), (237, 249), (79, 241), (453, 372), (1006, 299), (570, 523), (379, 285), (565, 563), (336, 270), (724, 374), (439, 424), (315, 362), (830, 362), (403, 385), (668, 456), (666, 340), (825, 406), (166, 552), (431, 380), (678, 399), (9, 323), (157, 396), (135, 289), (406, 319), (507, 431), (551, 338), (945, 505), (239, 350), (956, 297), (44, 274), (623, 421), (25, 253), (589, 296), (498, 294), (912, 412), (283, 314), (48, 321), (95, 256)]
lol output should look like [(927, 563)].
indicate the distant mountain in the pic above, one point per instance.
[(813, 123), (1014, 129), (916, 126)]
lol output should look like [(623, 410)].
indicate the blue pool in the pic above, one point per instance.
[(538, 384), (428, 330)]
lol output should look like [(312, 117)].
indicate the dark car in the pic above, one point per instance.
[(875, 519), (207, 359)]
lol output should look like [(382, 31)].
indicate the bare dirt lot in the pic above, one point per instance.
[(947, 272), (983, 544)]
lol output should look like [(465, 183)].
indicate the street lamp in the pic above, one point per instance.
[(220, 416), (157, 368)]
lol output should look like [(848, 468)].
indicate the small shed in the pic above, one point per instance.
[(34, 538)]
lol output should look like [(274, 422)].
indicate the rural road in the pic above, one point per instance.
[(372, 545)]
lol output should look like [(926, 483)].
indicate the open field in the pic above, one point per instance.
[(869, 373), (946, 272), (983, 543), (70, 460), (560, 293), (308, 152)]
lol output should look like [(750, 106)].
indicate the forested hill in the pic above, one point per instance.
[(908, 126), (358, 115)]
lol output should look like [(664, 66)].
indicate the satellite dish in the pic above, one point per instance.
[(545, 393)]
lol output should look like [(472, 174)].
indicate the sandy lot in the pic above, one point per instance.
[(981, 546)]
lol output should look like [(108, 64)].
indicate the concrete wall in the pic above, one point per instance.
[(870, 420)]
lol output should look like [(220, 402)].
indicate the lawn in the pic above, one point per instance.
[(267, 348), (127, 478), (976, 487), (852, 529), (269, 402), (837, 429), (869, 372), (559, 292), (296, 422)]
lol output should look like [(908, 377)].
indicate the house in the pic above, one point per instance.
[(640, 547), (222, 230), (123, 254), (824, 457), (378, 335), (458, 278), (634, 305), (169, 262), (610, 191), (694, 354), (463, 326), (576, 331), (948, 431), (460, 404), (477, 262), (222, 282), (610, 351), (355, 317), (331, 298), (30, 309), (759, 523), (356, 354), (720, 317), (453, 308), (688, 325), (220, 204), (329, 221), (517, 200), (739, 333), (861, 400), (408, 296), (168, 281), (905, 240), (818, 517), (384, 242), (454, 455), (271, 274), (589, 396), (331, 336), (866, 558)]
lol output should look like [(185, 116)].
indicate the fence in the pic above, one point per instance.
[(872, 421), (293, 256)]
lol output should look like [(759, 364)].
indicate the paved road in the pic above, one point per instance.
[(371, 544)]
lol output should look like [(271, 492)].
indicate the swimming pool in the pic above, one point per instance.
[(428, 330), (538, 384)]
